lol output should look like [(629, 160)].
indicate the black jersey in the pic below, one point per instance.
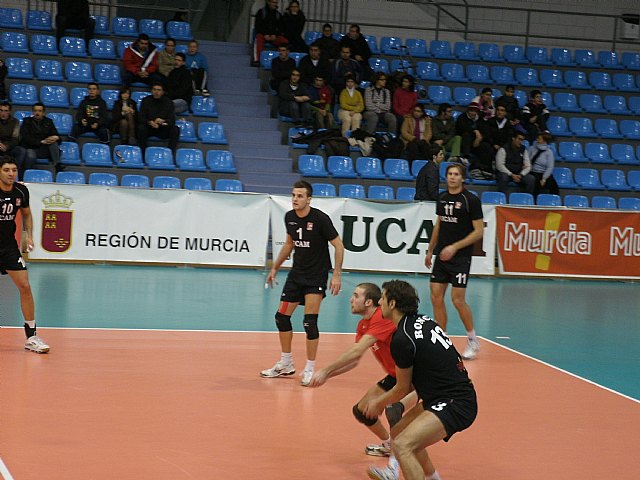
[(438, 370), (310, 235), (10, 203), (457, 212)]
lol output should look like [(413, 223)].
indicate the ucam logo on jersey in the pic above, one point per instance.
[(57, 221)]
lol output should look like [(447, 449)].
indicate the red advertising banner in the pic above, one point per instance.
[(563, 242)]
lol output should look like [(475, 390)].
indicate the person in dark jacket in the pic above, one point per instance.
[(10, 138), (472, 130), (513, 165), (510, 102), (534, 115), (295, 100), (40, 138), (157, 118), (281, 67), (313, 65), (329, 46), (125, 117), (292, 26), (268, 28), (74, 14), (4, 71), (92, 116), (179, 85), (360, 50), (428, 179)]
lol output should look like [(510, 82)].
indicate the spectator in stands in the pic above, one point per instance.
[(343, 67), (443, 127), (199, 66), (180, 16), (268, 28), (470, 127), (404, 98), (125, 117), (329, 46), (10, 138), (157, 118), (322, 103), (140, 61), (510, 102), (416, 134), (295, 100), (377, 104), (281, 67), (92, 116), (74, 14), (351, 106), (360, 50), (4, 71), (292, 26), (513, 164), (167, 57), (542, 163), (40, 138), (498, 130), (534, 115), (485, 100), (179, 86), (314, 64), (428, 179)]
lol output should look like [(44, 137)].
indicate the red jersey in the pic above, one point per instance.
[(382, 329)]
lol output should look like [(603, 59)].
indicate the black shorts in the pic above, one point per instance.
[(387, 383), (455, 271), (295, 288), (456, 414), (11, 259)]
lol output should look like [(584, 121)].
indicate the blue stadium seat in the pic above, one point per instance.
[(229, 185), (547, 99), (597, 152), (577, 80), (96, 155), (138, 96), (398, 65), (198, 183), (624, 82), (49, 70), (441, 49), (631, 60), (187, 131), (179, 31), (428, 71), (37, 176), (549, 200), (19, 68), (76, 95), (417, 48), (166, 182), (397, 169), (341, 167), (551, 77), (440, 94), (520, 95), (591, 103), (71, 177), (527, 77), (153, 28), (135, 181), (21, 115), (610, 60), (381, 192), (493, 198), (324, 190), (607, 128), (102, 25), (571, 152), (210, 132), (297, 56), (634, 105), (106, 179), (350, 190), (190, 160), (615, 179), (519, 198), (312, 166), (102, 48), (44, 44), (603, 201), (558, 127), (502, 75), (538, 56), (266, 57), (416, 166), (73, 47), (463, 95), (124, 27), (629, 203), (576, 201), (22, 94), (453, 72), (369, 167), (601, 81), (616, 104), (391, 45), (54, 96), (478, 74), (514, 54), (78, 72), (489, 52), (633, 179), (69, 153), (566, 102), (582, 127), (379, 64), (123, 45), (630, 129), (465, 51), (159, 158), (585, 58), (588, 178), (109, 96), (564, 177), (312, 36), (11, 18), (14, 42), (127, 156), (562, 57), (372, 41), (624, 154), (220, 161), (406, 194)]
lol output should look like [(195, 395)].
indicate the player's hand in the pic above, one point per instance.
[(447, 253), (29, 244), (319, 378), (335, 284), (271, 277), (428, 260), (372, 409)]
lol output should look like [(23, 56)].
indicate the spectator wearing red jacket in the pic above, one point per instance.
[(140, 62)]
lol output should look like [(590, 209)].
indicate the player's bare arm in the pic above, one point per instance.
[(27, 221), (433, 241), (449, 251), (336, 277), (346, 361), (286, 250)]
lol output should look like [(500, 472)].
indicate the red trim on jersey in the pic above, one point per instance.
[(382, 329)]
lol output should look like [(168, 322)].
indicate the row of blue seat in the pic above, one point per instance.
[(121, 26), (584, 127), (596, 152), (135, 180)]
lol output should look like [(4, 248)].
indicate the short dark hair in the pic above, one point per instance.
[(124, 89), (157, 84), (434, 150), (170, 39), (404, 294), (518, 133), (94, 83), (5, 103), (547, 137), (181, 55), (327, 25), (349, 76), (38, 104), (510, 87), (487, 89), (371, 291), (306, 185), (143, 36), (444, 107), (285, 45), (377, 76), (356, 26), (4, 159), (534, 93)]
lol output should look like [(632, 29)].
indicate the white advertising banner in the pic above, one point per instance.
[(88, 222), (391, 237)]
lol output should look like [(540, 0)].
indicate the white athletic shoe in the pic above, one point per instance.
[(384, 473), (378, 450), (305, 377), (471, 351), (280, 369), (35, 344)]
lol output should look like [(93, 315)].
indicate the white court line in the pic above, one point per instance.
[(4, 471)]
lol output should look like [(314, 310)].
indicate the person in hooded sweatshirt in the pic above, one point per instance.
[(92, 116)]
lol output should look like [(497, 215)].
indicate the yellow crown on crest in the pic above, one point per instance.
[(57, 200)]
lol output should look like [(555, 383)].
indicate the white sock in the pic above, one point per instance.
[(31, 323), (393, 464), (472, 335), (311, 365), (435, 476), (286, 357)]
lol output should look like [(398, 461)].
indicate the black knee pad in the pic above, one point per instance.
[(361, 418), (283, 322), (311, 326)]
